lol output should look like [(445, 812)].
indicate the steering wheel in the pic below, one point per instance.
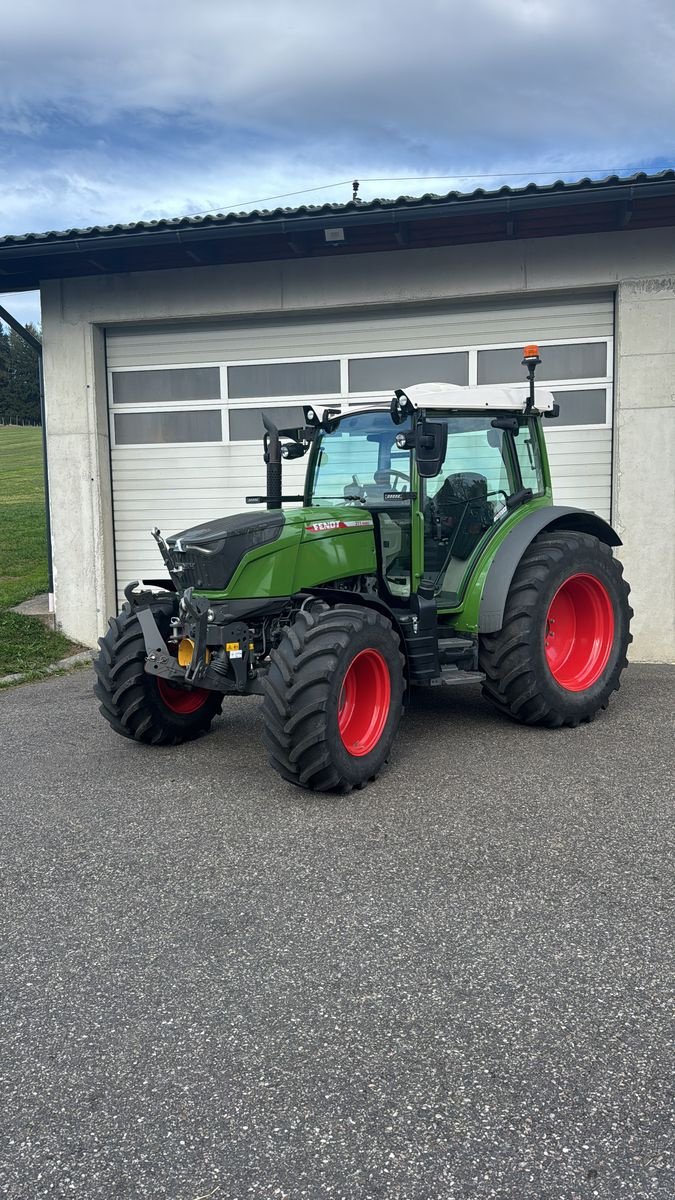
[(397, 474)]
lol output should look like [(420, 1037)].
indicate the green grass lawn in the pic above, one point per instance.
[(25, 644)]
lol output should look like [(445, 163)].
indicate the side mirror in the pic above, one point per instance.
[(431, 440)]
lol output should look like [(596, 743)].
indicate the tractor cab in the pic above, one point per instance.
[(437, 470)]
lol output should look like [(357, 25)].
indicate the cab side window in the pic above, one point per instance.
[(529, 458), (464, 501)]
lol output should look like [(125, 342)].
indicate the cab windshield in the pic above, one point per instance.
[(360, 463)]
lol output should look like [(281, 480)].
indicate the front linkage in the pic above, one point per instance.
[(208, 646), (229, 669)]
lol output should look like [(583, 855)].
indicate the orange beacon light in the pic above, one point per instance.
[(530, 360)]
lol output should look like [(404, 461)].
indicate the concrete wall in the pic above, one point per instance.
[(78, 456), (644, 458), (641, 265)]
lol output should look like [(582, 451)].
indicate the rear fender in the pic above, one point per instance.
[(506, 560)]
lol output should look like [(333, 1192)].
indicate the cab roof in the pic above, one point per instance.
[(451, 395)]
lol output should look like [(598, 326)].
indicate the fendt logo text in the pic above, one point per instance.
[(324, 526)]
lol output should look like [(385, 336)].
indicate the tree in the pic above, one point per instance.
[(19, 377)]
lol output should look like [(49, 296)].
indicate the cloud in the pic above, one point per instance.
[(25, 306), (432, 68), (114, 112)]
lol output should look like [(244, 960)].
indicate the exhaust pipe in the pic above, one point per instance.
[(272, 456)]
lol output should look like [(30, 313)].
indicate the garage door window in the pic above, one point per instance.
[(246, 423), (162, 427), (166, 386), (582, 360), (284, 379), (585, 406), (403, 370)]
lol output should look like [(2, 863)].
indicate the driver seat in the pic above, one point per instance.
[(461, 514)]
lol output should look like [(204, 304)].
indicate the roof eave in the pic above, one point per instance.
[(288, 225)]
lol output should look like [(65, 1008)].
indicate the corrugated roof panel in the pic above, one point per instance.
[(404, 204)]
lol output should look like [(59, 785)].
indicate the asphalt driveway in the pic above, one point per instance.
[(457, 983)]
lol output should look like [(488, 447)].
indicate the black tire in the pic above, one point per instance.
[(520, 679), (130, 700), (304, 688)]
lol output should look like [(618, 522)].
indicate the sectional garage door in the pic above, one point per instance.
[(185, 400)]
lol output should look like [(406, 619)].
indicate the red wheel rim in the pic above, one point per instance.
[(579, 632), (180, 700), (364, 702)]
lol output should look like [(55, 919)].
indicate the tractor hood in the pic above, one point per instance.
[(212, 536), (266, 551)]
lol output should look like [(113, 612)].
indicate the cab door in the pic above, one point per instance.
[(462, 504)]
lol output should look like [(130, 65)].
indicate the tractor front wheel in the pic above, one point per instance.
[(333, 698), (141, 706), (562, 647)]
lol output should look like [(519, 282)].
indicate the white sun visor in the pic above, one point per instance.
[(450, 395)]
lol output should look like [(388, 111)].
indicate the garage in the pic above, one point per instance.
[(163, 342), (185, 399)]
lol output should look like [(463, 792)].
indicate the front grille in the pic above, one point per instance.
[(209, 554), (187, 573)]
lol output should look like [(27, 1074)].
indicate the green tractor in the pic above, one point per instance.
[(427, 552)]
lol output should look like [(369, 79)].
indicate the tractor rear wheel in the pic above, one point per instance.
[(141, 706), (333, 698), (562, 647)]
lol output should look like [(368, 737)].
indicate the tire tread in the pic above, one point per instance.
[(126, 700), (296, 727), (513, 680)]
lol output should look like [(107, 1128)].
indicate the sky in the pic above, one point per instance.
[(151, 108)]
